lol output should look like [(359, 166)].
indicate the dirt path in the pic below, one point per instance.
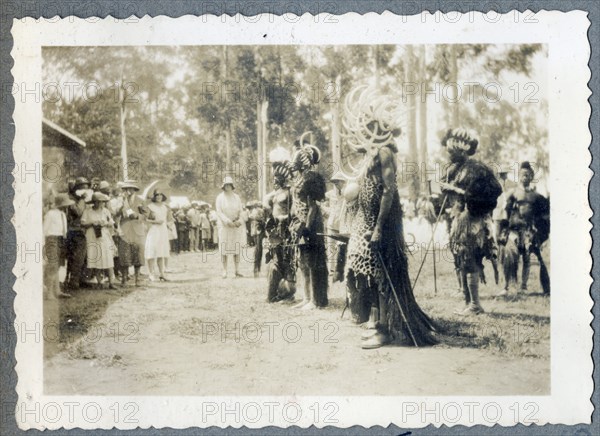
[(204, 335)]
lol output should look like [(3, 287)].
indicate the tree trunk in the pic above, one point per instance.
[(455, 119), (262, 167), (375, 53), (227, 125), (411, 166), (423, 153), (265, 135), (336, 153)]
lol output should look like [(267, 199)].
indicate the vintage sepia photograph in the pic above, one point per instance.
[(318, 220), (342, 220)]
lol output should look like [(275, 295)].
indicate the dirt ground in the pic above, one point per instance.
[(203, 335)]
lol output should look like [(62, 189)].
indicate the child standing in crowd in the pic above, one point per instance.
[(183, 229), (205, 228), (98, 223), (172, 230), (193, 216), (55, 233)]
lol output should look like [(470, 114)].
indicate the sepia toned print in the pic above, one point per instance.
[(311, 231)]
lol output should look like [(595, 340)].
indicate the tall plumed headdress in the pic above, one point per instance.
[(371, 120), (281, 162), (306, 155), (460, 139)]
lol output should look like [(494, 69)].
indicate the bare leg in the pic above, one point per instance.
[(161, 266), (224, 262), (309, 280), (98, 274), (151, 263), (236, 262), (307, 285), (111, 277)]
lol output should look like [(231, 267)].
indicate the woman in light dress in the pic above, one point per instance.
[(232, 232), (157, 247), (101, 250)]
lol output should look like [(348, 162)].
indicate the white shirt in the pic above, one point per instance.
[(55, 223)]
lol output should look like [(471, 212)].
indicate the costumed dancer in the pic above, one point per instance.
[(281, 272), (256, 218), (471, 190), (528, 214), (377, 266), (308, 227)]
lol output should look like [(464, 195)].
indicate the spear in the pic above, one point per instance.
[(387, 275)]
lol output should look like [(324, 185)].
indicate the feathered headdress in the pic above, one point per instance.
[(281, 162), (306, 155), (460, 139), (371, 120)]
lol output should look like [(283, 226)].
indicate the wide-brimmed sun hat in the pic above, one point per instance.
[(99, 196), (228, 180), (158, 192), (104, 186), (62, 200), (80, 182), (129, 184)]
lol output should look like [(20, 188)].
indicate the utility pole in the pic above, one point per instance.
[(123, 135)]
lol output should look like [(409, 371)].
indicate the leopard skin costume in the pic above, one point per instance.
[(366, 277)]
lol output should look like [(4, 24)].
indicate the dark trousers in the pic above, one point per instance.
[(183, 237), (76, 254)]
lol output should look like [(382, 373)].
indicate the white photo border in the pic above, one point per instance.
[(569, 139)]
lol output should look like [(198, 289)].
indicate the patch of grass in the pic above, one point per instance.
[(83, 310)]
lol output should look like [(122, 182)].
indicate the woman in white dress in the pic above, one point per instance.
[(98, 223), (232, 233), (157, 241)]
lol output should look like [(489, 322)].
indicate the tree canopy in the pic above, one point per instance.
[(191, 112)]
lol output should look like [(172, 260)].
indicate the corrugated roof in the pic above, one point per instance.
[(63, 132)]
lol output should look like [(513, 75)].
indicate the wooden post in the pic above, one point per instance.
[(123, 134)]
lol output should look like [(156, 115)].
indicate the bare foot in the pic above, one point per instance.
[(309, 306), (301, 304)]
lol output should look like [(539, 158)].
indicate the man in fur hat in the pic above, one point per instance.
[(471, 191)]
